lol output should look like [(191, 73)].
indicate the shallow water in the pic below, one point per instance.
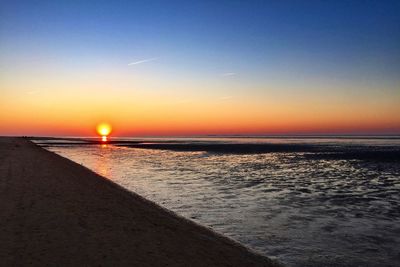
[(302, 210)]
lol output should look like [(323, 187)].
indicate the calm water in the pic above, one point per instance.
[(302, 210)]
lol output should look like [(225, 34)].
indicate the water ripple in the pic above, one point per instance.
[(304, 210)]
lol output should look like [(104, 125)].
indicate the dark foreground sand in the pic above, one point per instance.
[(55, 212)]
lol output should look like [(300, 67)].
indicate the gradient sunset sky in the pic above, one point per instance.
[(199, 67)]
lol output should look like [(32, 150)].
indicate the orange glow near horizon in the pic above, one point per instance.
[(160, 114)]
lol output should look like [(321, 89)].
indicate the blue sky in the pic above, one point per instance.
[(356, 36)]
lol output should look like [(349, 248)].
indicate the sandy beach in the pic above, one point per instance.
[(57, 212)]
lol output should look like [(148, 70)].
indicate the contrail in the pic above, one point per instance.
[(142, 61), (228, 74)]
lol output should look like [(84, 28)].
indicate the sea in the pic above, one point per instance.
[(304, 201)]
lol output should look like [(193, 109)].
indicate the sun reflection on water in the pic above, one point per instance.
[(102, 163)]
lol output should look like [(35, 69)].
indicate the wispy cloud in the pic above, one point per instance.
[(31, 92), (142, 61), (226, 74)]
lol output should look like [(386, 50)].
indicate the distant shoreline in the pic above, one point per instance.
[(311, 150), (305, 136)]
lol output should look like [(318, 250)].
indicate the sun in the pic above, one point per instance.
[(104, 130)]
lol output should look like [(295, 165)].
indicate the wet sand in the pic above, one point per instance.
[(57, 212)]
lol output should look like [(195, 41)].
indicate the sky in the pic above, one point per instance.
[(199, 67)]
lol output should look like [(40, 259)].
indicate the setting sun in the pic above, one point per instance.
[(104, 129)]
